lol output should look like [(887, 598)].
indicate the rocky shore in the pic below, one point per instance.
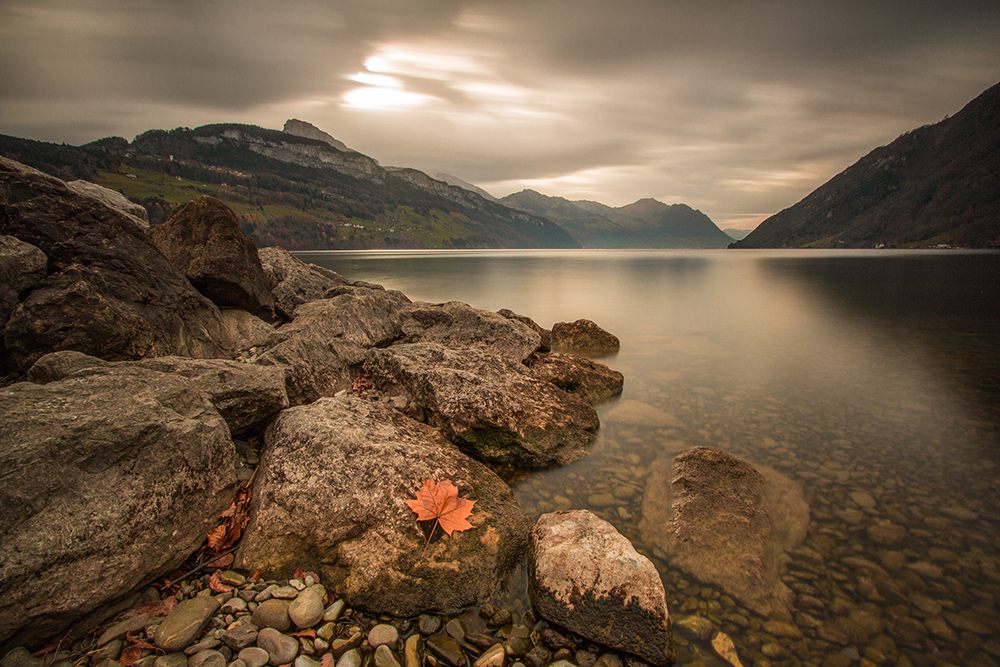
[(156, 377)]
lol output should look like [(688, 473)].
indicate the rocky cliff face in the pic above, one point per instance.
[(938, 184), (300, 128)]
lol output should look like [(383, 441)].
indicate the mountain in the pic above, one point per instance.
[(458, 182), (300, 192), (300, 128), (936, 185), (646, 223)]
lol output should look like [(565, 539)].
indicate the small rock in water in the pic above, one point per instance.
[(491, 657), (724, 648), (886, 533), (694, 627), (179, 629), (411, 651), (428, 624), (447, 649)]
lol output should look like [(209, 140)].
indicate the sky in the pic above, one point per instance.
[(736, 108)]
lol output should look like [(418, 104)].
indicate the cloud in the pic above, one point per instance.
[(736, 108)]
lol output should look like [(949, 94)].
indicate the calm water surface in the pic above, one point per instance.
[(871, 379)]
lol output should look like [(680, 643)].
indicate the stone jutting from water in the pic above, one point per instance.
[(586, 577)]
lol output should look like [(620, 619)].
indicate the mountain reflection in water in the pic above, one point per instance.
[(870, 378)]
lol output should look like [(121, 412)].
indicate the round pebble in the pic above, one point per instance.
[(383, 635)]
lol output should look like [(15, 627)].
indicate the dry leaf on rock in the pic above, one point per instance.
[(215, 583), (327, 660), (441, 503)]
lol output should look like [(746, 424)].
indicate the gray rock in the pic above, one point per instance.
[(350, 658), (136, 213), (183, 625), (248, 330), (726, 523), (19, 656), (204, 241), (110, 292), (241, 634), (494, 656), (314, 367), (245, 395), (383, 634), (384, 657), (306, 661), (586, 577), (281, 649), (272, 614), (205, 644), (458, 326), (293, 282), (22, 265), (583, 335), (209, 658), (544, 334), (447, 649), (254, 656), (354, 463), (490, 406), (115, 478), (306, 610), (168, 660), (591, 381)]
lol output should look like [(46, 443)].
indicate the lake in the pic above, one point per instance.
[(869, 378)]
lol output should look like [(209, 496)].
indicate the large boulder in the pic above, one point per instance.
[(586, 577), (110, 480), (459, 326), (293, 282), (203, 239), (322, 350), (136, 213), (489, 405), (585, 336), (22, 265), (248, 331), (591, 381), (726, 523), (109, 292), (246, 395), (330, 495)]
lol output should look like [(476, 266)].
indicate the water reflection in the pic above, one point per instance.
[(868, 379)]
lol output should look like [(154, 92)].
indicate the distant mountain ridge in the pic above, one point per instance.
[(301, 192), (646, 223), (935, 185), (303, 189)]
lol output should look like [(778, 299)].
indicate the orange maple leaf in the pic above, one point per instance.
[(440, 502)]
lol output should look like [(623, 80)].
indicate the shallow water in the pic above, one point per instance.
[(870, 378)]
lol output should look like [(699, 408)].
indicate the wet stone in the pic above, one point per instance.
[(333, 612), (306, 610), (886, 533), (272, 613), (253, 656), (170, 660), (447, 649), (383, 635), (501, 618), (203, 645), (427, 624), (411, 651), (455, 629), (350, 658), (384, 657), (695, 628), (538, 657), (280, 648), (209, 658), (240, 635), (492, 657)]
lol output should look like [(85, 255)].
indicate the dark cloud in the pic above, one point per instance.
[(737, 108)]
